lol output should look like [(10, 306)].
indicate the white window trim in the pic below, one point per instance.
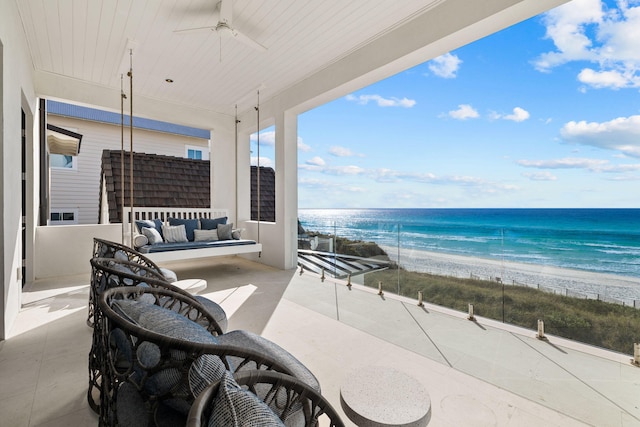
[(74, 211), (74, 165), (203, 149), (74, 159)]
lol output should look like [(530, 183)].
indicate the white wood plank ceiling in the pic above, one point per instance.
[(87, 42)]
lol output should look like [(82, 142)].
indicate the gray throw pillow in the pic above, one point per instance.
[(205, 235), (174, 233), (225, 231)]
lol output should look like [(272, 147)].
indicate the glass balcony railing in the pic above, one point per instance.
[(546, 371), (527, 281)]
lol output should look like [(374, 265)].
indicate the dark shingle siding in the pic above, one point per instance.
[(164, 181), (167, 181), (267, 194)]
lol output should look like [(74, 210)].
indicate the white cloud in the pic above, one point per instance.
[(340, 151), (540, 176), (264, 162), (317, 164), (382, 102), (605, 79), (518, 115), (445, 66), (478, 184), (586, 30), (464, 112), (566, 163), (385, 175), (316, 161), (621, 134), (266, 138), (347, 170), (566, 27), (269, 138), (302, 146), (592, 165), (621, 168)]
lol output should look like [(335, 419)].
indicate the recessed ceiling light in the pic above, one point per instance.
[(168, 80)]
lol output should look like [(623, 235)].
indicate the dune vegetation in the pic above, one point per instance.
[(602, 324), (611, 326)]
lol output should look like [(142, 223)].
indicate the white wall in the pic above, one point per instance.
[(16, 93), (80, 189), (65, 250)]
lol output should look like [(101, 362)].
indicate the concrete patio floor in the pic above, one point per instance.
[(479, 373)]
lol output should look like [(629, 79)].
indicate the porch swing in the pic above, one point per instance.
[(136, 219)]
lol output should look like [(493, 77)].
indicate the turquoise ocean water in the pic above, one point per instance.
[(596, 240)]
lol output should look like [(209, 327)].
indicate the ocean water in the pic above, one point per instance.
[(595, 240)]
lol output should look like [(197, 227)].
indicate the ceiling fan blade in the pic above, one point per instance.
[(195, 30), (247, 40), (224, 27), (226, 12)]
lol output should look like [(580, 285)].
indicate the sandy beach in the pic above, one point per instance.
[(590, 285)]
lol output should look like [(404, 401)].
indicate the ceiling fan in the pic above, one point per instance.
[(224, 27)]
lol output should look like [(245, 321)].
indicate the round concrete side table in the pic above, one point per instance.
[(381, 396)]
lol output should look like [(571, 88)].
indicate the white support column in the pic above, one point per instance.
[(287, 186), (223, 171)]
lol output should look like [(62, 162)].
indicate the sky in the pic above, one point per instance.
[(544, 114)]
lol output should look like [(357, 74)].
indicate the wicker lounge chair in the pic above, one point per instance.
[(282, 394), (160, 349), (112, 272), (107, 249)]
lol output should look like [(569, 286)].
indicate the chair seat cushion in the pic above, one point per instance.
[(246, 339), (169, 275), (215, 310)]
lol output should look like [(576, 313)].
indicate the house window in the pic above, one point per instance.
[(196, 152), (64, 162), (63, 216)]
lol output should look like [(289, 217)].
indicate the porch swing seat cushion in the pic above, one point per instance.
[(179, 246)]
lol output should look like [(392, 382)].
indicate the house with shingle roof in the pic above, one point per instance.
[(74, 191), (169, 181)]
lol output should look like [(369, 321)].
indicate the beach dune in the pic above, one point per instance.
[(562, 280)]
